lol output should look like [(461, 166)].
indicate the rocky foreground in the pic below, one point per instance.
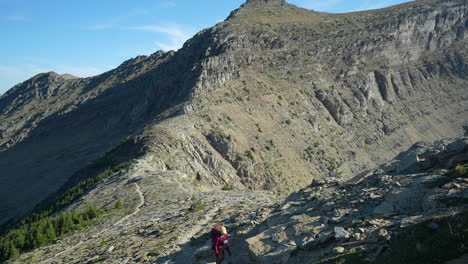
[(166, 218)]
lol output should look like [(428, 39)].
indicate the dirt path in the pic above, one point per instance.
[(137, 208), (123, 219), (187, 252)]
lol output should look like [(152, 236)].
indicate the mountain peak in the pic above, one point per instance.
[(266, 1)]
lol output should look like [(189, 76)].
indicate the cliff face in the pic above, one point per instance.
[(269, 99), (286, 94)]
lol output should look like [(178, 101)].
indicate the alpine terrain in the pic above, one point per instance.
[(313, 137)]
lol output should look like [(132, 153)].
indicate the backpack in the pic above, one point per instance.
[(216, 229), (215, 232)]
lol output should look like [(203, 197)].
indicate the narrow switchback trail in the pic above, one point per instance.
[(137, 208), (96, 235)]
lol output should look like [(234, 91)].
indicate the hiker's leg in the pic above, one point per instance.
[(221, 254), (229, 250)]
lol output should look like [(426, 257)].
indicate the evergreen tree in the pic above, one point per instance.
[(42, 230), (49, 230), (38, 237), (13, 251), (66, 223)]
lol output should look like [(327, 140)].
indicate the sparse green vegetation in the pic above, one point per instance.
[(309, 153), (78, 190), (259, 128), (228, 187), (419, 244), (159, 247), (197, 205), (44, 230), (249, 154), (315, 197), (332, 165), (118, 204), (461, 170), (271, 142), (219, 132)]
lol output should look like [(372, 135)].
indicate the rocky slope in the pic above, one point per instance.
[(271, 98), (165, 218)]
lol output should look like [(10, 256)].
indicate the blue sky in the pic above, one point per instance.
[(88, 37)]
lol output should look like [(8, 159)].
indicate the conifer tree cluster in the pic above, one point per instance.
[(42, 231), (40, 228)]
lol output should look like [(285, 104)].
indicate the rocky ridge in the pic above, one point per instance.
[(269, 99)]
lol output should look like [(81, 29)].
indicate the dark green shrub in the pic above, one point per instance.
[(461, 170), (227, 187)]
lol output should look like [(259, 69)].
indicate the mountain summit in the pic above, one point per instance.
[(270, 99), (266, 1)]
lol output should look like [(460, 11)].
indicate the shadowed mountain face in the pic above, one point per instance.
[(269, 99)]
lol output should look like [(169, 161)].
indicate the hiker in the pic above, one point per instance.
[(219, 238)]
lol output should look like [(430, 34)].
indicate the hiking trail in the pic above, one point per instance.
[(123, 219), (187, 252)]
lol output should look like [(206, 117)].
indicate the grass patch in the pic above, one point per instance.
[(219, 132), (118, 204), (239, 157), (227, 187), (197, 205), (249, 154)]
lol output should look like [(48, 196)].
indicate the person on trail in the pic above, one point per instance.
[(219, 238)]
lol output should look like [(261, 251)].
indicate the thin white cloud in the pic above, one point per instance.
[(168, 4), (176, 35), (173, 31), (101, 26), (173, 45)]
